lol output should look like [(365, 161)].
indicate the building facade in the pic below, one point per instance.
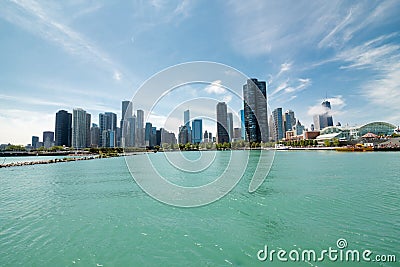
[(63, 129), (197, 131), (256, 111), (79, 128), (222, 123)]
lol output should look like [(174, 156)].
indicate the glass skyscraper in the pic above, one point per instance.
[(255, 110), (222, 123), (63, 129), (197, 131)]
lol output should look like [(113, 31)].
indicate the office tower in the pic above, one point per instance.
[(63, 129), (94, 135), (108, 138), (127, 110), (197, 131), (278, 124), (222, 123), (88, 123), (35, 141), (167, 137), (183, 135), (230, 125), (237, 133), (48, 139), (324, 119), (271, 126), (242, 125), (210, 137), (127, 125), (289, 120), (79, 130), (186, 122), (205, 137), (153, 137), (140, 128), (255, 111), (158, 137), (108, 122), (298, 128), (148, 134)]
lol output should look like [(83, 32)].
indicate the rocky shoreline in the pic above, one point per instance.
[(50, 161)]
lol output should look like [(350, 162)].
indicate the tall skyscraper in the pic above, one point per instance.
[(48, 139), (324, 119), (88, 123), (197, 131), (79, 128), (289, 120), (108, 122), (230, 125), (242, 125), (279, 131), (255, 110), (148, 132), (94, 135), (139, 128), (222, 123), (127, 109), (186, 122), (128, 125), (63, 129)]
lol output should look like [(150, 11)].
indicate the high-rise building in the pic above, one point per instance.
[(127, 109), (94, 135), (237, 134), (186, 122), (289, 120), (230, 125), (79, 128), (197, 131), (35, 141), (127, 125), (222, 123), (255, 110), (108, 121), (148, 134), (139, 134), (324, 119), (48, 139), (63, 129), (242, 125), (183, 135), (298, 128), (167, 137), (88, 123), (279, 131)]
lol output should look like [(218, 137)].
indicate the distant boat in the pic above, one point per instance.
[(281, 147), (357, 148)]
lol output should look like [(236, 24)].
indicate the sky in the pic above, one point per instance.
[(94, 54)]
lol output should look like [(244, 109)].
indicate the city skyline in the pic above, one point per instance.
[(348, 51)]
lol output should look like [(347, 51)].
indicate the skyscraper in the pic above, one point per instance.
[(255, 110), (242, 125), (48, 139), (289, 120), (79, 130), (230, 125), (197, 131), (35, 141), (186, 122), (222, 123), (108, 122), (139, 128), (94, 135), (63, 129), (324, 119), (127, 125), (279, 132), (148, 134), (88, 123)]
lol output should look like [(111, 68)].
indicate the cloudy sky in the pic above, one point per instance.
[(94, 54)]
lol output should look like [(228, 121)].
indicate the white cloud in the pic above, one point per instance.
[(337, 105), (215, 88), (117, 76), (284, 68)]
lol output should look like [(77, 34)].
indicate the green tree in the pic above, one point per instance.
[(327, 143)]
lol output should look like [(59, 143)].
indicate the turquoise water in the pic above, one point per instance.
[(92, 213)]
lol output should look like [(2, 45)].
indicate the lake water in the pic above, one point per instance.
[(92, 213)]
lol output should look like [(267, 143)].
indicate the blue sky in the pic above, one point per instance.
[(94, 54)]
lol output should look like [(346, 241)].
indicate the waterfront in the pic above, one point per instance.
[(91, 213)]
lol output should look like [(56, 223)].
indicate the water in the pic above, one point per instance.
[(91, 213)]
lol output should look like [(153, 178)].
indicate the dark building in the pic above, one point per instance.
[(63, 130), (94, 135), (35, 141), (255, 111), (325, 119), (48, 139), (108, 122), (158, 137), (222, 123)]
